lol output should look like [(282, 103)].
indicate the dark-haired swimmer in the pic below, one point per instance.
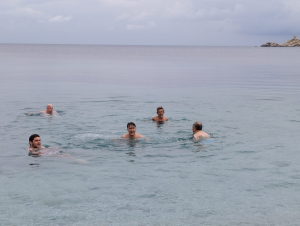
[(35, 149), (198, 133), (49, 110), (35, 145), (131, 128), (160, 115)]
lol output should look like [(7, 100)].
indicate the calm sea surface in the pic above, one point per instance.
[(247, 98)]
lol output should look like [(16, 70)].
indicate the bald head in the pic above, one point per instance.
[(49, 109)]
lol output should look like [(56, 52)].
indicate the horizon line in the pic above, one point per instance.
[(125, 45)]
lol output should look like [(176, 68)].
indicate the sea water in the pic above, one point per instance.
[(247, 99)]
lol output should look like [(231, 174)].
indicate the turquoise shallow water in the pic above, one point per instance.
[(247, 99)]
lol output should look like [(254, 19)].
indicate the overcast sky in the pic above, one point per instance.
[(149, 22)]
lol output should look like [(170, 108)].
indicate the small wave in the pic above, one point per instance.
[(144, 119), (180, 120), (293, 120), (60, 112), (44, 114), (271, 99), (281, 163), (32, 114), (90, 136), (159, 156)]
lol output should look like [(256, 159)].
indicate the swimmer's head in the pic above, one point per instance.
[(49, 109), (160, 111), (131, 128), (197, 126), (130, 124), (35, 141)]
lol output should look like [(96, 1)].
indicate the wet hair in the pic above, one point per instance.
[(160, 107), (130, 124), (197, 125), (31, 138)]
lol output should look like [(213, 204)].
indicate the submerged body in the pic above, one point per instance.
[(50, 151)]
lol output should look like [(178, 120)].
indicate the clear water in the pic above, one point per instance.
[(247, 98)]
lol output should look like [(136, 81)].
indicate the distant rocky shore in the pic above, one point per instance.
[(295, 42)]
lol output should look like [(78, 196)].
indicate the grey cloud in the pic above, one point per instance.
[(175, 21), (141, 16), (134, 27), (60, 18), (124, 16), (151, 23), (266, 18), (24, 11)]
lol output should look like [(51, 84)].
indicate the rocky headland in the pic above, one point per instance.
[(295, 42)]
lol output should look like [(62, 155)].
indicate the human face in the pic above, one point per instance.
[(160, 113), (194, 130), (131, 130), (49, 109), (36, 143)]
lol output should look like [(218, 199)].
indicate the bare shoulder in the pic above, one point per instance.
[(205, 135), (155, 118), (201, 136), (135, 136), (34, 149), (125, 135), (138, 135)]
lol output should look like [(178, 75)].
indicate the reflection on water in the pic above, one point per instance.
[(132, 142), (159, 124)]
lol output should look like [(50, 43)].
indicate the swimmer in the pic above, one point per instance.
[(35, 144), (131, 128), (198, 133), (36, 149), (160, 115), (49, 110)]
